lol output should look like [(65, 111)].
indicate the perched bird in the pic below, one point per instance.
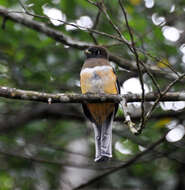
[(97, 76)]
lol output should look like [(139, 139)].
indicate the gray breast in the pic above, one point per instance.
[(96, 83)]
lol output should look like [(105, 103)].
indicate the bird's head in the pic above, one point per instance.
[(96, 52)]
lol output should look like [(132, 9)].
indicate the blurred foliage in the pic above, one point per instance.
[(31, 60)]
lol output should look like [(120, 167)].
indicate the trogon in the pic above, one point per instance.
[(98, 76)]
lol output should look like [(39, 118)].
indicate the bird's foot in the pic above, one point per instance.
[(132, 127)]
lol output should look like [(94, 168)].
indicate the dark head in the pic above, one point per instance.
[(96, 52)]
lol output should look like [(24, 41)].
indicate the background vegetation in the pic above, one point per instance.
[(50, 146)]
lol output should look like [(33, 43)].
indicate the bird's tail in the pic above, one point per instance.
[(103, 140)]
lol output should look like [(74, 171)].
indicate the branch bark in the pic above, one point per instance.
[(13, 93)]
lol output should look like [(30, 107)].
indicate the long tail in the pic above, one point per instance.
[(103, 140)]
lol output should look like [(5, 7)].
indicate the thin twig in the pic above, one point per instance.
[(97, 20), (128, 120), (93, 38), (160, 60), (71, 24), (152, 77), (101, 6), (66, 40), (92, 2), (4, 22), (148, 115), (137, 62), (94, 27), (22, 5)]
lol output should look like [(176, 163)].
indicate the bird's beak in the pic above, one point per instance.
[(87, 51)]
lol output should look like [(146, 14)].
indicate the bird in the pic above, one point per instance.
[(97, 76)]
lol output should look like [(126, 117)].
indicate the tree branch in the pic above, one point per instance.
[(133, 49), (149, 113), (66, 40), (126, 164), (40, 27), (13, 93)]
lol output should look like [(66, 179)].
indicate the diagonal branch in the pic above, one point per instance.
[(137, 62), (66, 40), (127, 164), (86, 29), (131, 65), (94, 27), (148, 115), (103, 9), (40, 27)]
